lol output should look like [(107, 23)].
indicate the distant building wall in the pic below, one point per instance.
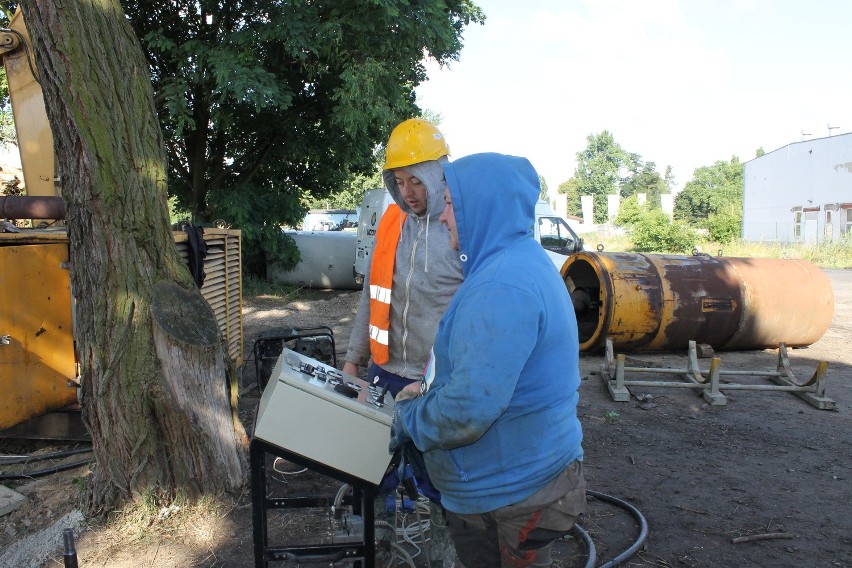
[(560, 207), (800, 193), (587, 202), (667, 204)]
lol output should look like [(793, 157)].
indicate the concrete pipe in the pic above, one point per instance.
[(649, 302)]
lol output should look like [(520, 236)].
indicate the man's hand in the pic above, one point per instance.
[(350, 368), (410, 391)]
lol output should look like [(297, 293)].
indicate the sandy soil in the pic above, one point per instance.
[(704, 477)]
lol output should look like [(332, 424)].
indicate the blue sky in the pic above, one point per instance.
[(681, 83)]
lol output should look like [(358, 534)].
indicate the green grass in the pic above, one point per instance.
[(611, 243), (825, 255), (254, 287)]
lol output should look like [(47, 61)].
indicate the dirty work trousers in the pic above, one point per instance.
[(440, 548), (522, 534)]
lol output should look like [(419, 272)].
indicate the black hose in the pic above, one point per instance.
[(637, 514), (42, 457), (26, 46), (591, 551), (47, 471)]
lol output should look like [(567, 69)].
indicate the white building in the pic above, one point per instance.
[(801, 192)]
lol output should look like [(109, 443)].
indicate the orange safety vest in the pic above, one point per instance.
[(381, 281)]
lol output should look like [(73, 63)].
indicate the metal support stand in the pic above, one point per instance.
[(277, 339), (708, 382), (362, 554)]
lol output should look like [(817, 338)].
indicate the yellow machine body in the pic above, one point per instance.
[(37, 363), (654, 302), (35, 139), (38, 370)]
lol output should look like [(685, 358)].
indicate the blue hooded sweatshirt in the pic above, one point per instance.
[(499, 419)]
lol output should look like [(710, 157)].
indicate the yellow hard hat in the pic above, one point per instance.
[(413, 141)]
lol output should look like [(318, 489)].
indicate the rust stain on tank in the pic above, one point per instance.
[(661, 302)]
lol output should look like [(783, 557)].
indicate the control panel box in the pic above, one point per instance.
[(311, 409)]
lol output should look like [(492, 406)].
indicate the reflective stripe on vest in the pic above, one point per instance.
[(381, 281)]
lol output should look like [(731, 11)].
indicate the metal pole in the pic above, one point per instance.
[(70, 556)]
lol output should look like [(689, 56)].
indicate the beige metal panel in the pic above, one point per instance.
[(310, 417), (222, 286)]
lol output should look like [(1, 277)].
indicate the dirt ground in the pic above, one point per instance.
[(765, 480)]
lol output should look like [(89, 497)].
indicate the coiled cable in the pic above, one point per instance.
[(640, 519)]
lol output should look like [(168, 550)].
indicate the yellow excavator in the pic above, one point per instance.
[(38, 369)]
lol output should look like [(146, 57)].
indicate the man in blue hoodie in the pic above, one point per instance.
[(497, 417)]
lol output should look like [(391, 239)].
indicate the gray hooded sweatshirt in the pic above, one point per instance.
[(427, 273)]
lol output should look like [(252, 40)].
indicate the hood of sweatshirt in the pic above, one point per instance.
[(494, 197), (431, 175)]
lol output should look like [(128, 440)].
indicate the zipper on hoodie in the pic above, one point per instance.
[(408, 296)]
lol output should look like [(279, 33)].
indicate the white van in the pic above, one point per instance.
[(551, 230), (372, 208), (555, 235)]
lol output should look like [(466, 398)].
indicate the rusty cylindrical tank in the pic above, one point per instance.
[(31, 207), (650, 302)]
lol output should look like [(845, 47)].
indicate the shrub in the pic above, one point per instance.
[(655, 232), (630, 212), (725, 227)]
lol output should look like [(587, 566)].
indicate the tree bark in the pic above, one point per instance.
[(112, 162)]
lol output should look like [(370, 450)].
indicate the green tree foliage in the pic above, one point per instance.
[(725, 226), (571, 188), (669, 179), (598, 167), (713, 189), (8, 136), (352, 194), (630, 211), (267, 101), (543, 195), (653, 231), (644, 178)]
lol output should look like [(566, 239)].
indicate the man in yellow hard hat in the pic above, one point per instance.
[(411, 278)]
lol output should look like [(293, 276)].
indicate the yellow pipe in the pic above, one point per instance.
[(661, 302)]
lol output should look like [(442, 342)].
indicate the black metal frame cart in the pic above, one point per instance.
[(363, 554)]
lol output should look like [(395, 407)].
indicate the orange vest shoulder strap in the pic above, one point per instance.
[(381, 281)]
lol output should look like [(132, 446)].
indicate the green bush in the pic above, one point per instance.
[(655, 232), (629, 212), (725, 227)]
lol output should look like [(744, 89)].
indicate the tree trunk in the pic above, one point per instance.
[(112, 162)]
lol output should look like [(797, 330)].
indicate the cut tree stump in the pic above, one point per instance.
[(186, 337)]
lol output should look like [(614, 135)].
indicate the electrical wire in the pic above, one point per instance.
[(274, 463), (407, 558), (421, 526), (637, 514), (338, 498), (426, 542), (32, 458), (47, 471), (407, 532)]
